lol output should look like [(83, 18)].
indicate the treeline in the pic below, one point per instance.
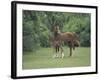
[(38, 27)]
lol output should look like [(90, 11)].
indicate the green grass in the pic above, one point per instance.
[(43, 58)]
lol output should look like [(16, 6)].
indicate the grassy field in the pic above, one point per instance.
[(43, 58)]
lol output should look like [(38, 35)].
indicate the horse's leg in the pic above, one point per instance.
[(71, 47), (59, 51), (70, 50), (62, 53), (55, 52)]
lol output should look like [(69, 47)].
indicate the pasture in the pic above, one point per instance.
[(43, 58)]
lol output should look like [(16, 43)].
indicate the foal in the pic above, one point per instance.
[(57, 45), (59, 50)]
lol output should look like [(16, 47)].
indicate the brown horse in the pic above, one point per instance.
[(69, 37)]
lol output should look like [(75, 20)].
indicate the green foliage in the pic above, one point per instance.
[(30, 39), (80, 24), (38, 26), (44, 37)]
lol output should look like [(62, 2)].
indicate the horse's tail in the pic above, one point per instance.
[(74, 48), (77, 40), (76, 36)]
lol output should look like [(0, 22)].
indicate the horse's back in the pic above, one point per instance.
[(67, 36)]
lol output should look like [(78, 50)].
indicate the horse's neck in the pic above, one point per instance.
[(57, 33)]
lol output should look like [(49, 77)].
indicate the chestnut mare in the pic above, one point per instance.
[(70, 38)]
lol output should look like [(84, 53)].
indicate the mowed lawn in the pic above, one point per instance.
[(43, 58)]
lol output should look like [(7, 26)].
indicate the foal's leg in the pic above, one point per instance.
[(59, 51), (55, 52), (62, 53)]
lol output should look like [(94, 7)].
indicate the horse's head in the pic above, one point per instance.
[(56, 30)]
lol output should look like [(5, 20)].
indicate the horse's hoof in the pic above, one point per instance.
[(63, 55)]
